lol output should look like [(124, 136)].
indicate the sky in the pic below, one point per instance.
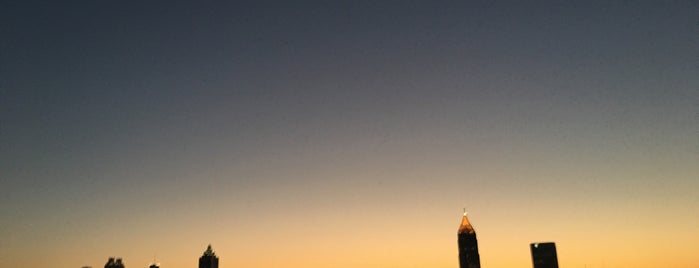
[(348, 133)]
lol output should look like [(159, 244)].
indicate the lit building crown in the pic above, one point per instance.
[(466, 227)]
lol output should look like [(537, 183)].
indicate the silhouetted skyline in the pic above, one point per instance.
[(543, 253), (347, 133)]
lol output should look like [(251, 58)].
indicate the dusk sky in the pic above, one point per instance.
[(348, 133)]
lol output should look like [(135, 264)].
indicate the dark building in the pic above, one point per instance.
[(544, 255), (468, 245), (154, 264), (114, 263), (209, 259)]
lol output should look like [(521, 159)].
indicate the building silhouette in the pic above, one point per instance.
[(155, 263), (209, 259), (544, 255), (468, 245), (114, 263)]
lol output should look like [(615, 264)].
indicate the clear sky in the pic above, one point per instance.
[(348, 133)]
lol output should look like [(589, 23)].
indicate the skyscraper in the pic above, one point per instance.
[(544, 255), (209, 259), (468, 245)]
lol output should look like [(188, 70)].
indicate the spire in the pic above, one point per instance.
[(209, 251), (465, 227)]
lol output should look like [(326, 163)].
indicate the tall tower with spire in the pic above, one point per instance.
[(468, 245), (209, 259)]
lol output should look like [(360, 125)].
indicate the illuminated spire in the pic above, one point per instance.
[(465, 227)]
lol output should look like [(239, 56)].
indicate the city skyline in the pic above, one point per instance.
[(543, 253), (348, 134)]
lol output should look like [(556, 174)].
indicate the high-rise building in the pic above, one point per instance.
[(209, 259), (544, 255), (468, 245), (114, 263)]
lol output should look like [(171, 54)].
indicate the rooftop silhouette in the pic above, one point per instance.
[(208, 259), (114, 263), (544, 255)]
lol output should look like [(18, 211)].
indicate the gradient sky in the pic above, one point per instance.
[(348, 134)]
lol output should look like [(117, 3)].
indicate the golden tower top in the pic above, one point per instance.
[(465, 227)]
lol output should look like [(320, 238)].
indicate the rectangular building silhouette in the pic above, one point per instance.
[(544, 255)]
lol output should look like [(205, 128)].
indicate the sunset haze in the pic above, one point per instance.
[(348, 134)]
